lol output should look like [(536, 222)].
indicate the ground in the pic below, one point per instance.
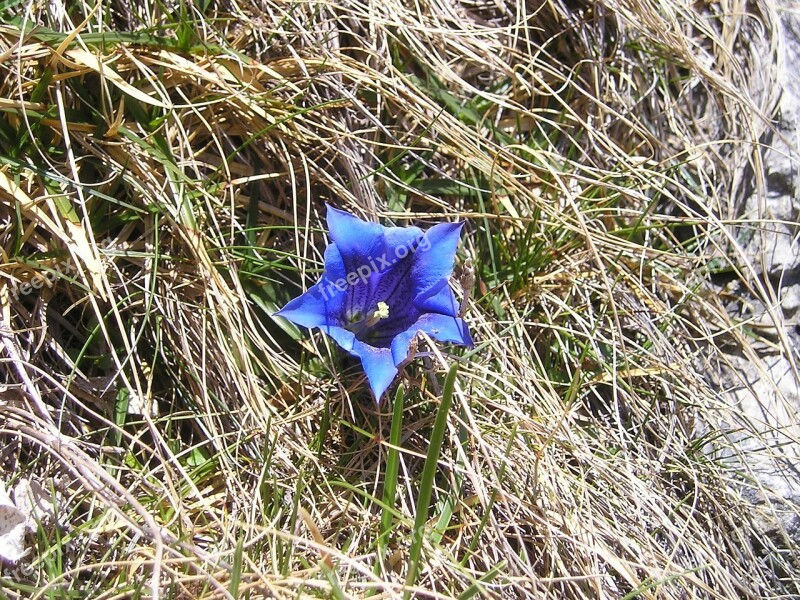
[(164, 172)]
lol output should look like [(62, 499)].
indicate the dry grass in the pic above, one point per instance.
[(165, 172)]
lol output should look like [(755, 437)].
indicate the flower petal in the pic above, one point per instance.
[(377, 362), (401, 241), (322, 304), (314, 308), (341, 336), (334, 264), (435, 257), (358, 241), (396, 288), (440, 327), (378, 366), (438, 299), (382, 334)]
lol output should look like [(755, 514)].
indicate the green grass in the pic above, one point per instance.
[(163, 178)]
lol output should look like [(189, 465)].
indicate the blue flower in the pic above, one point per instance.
[(380, 287)]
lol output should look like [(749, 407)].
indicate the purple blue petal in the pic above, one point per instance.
[(382, 286), (439, 327), (435, 259)]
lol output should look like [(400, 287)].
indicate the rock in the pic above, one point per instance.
[(761, 388), (790, 299), (764, 400), (774, 248)]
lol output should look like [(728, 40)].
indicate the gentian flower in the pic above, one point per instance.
[(380, 287)]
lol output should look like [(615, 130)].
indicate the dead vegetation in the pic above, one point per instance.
[(163, 173)]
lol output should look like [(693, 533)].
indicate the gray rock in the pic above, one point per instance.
[(761, 423), (775, 250), (761, 389), (790, 299), (773, 246)]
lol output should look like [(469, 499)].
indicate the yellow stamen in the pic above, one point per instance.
[(382, 312)]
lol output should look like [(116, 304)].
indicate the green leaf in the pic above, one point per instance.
[(428, 476), (236, 568), (121, 402), (392, 469)]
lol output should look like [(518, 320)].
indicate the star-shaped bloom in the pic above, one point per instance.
[(380, 287)]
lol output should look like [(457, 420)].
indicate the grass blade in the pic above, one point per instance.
[(392, 469), (428, 476)]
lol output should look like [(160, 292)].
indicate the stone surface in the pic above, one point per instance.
[(774, 248), (762, 389), (790, 299), (764, 398)]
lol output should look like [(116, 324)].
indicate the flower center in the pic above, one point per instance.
[(362, 326)]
